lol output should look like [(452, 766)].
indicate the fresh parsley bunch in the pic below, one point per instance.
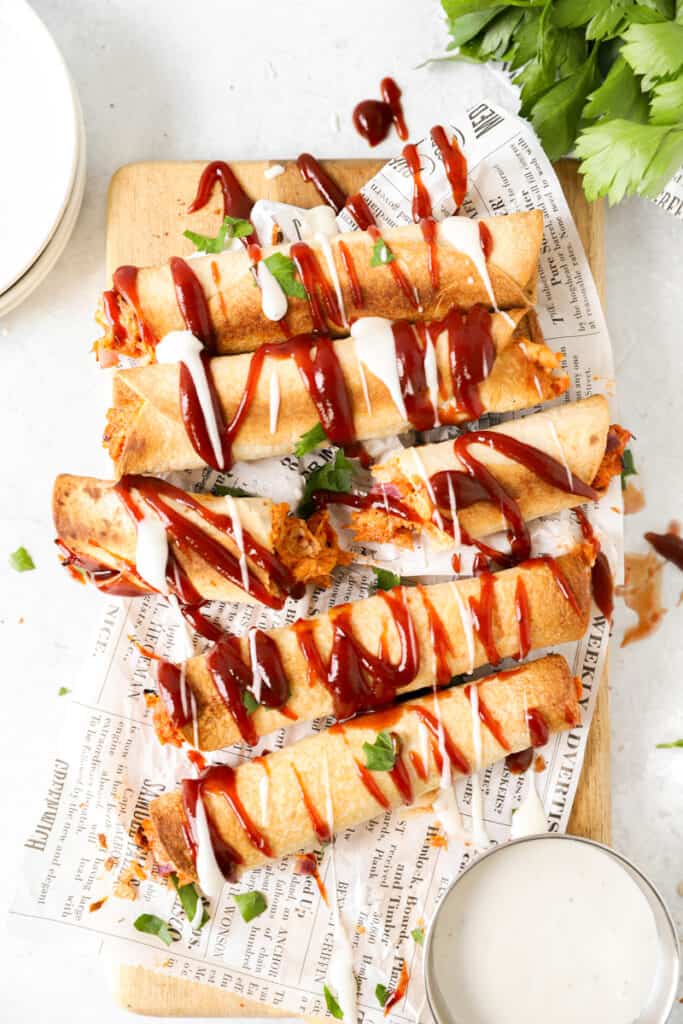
[(601, 77)]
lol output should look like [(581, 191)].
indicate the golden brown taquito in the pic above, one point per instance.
[(447, 645), (92, 521), (323, 770), (145, 432), (577, 433), (234, 303)]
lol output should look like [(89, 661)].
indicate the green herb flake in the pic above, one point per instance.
[(333, 476), (250, 702), (386, 580), (381, 994), (283, 270), (418, 935), (670, 746), (189, 897), (381, 254), (380, 756), (153, 925), (21, 561), (222, 491), (313, 438), (332, 1004), (628, 467), (232, 227), (62, 691), (250, 904)]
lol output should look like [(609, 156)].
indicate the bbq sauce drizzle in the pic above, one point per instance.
[(372, 119)]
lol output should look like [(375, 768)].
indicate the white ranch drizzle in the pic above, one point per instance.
[(198, 915), (151, 552), (183, 347), (320, 225), (453, 508), (419, 465), (273, 299), (529, 819), (467, 625), (432, 378), (462, 233), (239, 539), (274, 400), (210, 877), (376, 349), (563, 458), (479, 834)]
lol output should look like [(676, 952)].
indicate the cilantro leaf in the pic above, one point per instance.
[(381, 254), (232, 227), (620, 158), (313, 438), (250, 904), (333, 476), (249, 701), (221, 490), (418, 935), (618, 96), (21, 561), (381, 994), (386, 580), (332, 1004), (380, 756), (628, 467), (62, 691), (188, 896), (283, 270), (670, 746), (153, 925), (654, 50), (557, 113), (666, 105)]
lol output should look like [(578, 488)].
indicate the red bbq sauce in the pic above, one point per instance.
[(454, 163), (227, 858), (602, 583), (400, 990), (236, 202), (328, 190), (668, 545), (372, 119), (125, 285)]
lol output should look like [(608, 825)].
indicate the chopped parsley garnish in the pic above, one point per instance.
[(381, 994), (153, 925), (333, 476), (221, 490), (250, 904), (332, 1004), (232, 227), (670, 746), (381, 254), (249, 701), (418, 935), (313, 438), (628, 467), (189, 897), (283, 270), (62, 691), (386, 580), (380, 756), (21, 561)]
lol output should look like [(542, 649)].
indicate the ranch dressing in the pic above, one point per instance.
[(376, 350), (462, 233), (183, 347), (151, 552), (544, 930)]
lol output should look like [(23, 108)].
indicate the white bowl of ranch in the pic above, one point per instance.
[(551, 928)]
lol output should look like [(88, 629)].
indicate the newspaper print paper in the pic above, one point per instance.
[(387, 874)]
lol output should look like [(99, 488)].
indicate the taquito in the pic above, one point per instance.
[(340, 279), (433, 483), (278, 804), (247, 687), (97, 531), (380, 382)]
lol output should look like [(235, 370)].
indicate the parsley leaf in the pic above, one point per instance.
[(333, 476), (468, 26), (386, 580), (153, 925), (380, 756), (654, 50), (232, 227), (670, 746), (250, 904), (381, 254), (556, 115), (313, 438), (249, 701), (188, 896), (283, 270), (381, 994), (62, 691), (418, 935), (494, 41), (21, 561), (628, 467), (666, 106), (332, 1004), (221, 490), (618, 96), (621, 157)]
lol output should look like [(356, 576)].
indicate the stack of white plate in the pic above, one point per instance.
[(42, 169)]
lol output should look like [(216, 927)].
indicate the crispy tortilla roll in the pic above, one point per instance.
[(145, 432), (275, 805), (427, 635), (139, 313), (576, 435), (98, 533)]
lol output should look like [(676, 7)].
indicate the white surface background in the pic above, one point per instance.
[(217, 78)]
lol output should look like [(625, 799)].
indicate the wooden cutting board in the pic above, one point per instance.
[(145, 220)]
